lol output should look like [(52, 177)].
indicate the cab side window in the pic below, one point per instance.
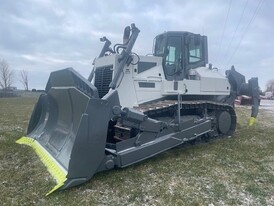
[(194, 51)]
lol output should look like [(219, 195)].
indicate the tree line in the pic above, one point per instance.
[(7, 76)]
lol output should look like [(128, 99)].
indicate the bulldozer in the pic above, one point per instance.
[(132, 107)]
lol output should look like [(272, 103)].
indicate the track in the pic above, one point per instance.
[(223, 115)]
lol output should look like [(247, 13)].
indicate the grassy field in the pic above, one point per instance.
[(227, 171)]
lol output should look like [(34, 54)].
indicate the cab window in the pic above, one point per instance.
[(194, 51), (159, 46), (173, 55)]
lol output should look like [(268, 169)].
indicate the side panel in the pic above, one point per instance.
[(125, 88), (140, 85), (214, 85), (202, 81), (148, 81)]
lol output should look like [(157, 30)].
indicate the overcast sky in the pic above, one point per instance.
[(41, 36)]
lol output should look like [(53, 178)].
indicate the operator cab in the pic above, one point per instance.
[(180, 51)]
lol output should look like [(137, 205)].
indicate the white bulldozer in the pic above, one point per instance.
[(133, 107)]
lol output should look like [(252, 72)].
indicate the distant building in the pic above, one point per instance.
[(11, 88), (270, 88), (9, 92)]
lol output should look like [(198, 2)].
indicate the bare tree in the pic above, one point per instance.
[(6, 74), (24, 79)]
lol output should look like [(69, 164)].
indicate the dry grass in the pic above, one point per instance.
[(227, 171)]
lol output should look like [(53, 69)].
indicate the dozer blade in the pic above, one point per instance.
[(68, 128)]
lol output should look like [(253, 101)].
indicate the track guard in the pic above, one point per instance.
[(68, 128)]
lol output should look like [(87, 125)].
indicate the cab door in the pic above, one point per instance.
[(173, 56)]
